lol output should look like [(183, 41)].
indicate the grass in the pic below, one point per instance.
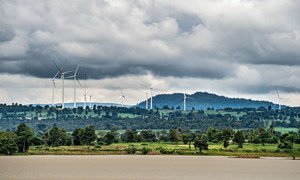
[(286, 130), (222, 112), (127, 115), (248, 151)]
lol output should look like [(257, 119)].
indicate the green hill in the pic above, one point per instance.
[(204, 100)]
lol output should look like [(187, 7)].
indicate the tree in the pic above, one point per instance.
[(174, 135), (8, 143), (286, 144), (239, 138), (263, 135), (128, 136), (41, 127), (211, 134), (109, 138), (185, 138), (148, 136), (36, 141), (225, 143), (24, 137), (89, 135), (226, 134), (201, 143), (57, 137), (77, 136)]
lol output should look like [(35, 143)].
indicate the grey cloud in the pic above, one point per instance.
[(207, 39)]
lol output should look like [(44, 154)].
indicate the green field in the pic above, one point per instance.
[(286, 130), (249, 150)]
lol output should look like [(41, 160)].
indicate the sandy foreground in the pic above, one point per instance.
[(145, 167)]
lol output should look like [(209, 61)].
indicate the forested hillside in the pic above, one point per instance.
[(203, 100)]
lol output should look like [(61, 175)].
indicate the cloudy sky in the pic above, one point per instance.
[(236, 48)]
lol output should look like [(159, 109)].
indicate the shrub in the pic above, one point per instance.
[(163, 150), (145, 150), (180, 152), (256, 141), (131, 149), (98, 146), (285, 145)]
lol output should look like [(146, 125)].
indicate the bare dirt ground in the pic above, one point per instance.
[(146, 167)]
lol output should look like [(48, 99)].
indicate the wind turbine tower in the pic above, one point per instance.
[(184, 102), (84, 106), (278, 100), (53, 87), (151, 97), (90, 101), (63, 85), (147, 100), (75, 79), (185, 97)]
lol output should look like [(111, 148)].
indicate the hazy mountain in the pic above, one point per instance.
[(204, 100), (71, 104)]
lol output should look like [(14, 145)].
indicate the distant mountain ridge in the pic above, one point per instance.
[(204, 100), (81, 104)]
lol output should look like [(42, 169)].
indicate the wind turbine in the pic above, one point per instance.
[(75, 79), (184, 101), (278, 100), (63, 84), (53, 87), (151, 97), (84, 106), (146, 100), (90, 101), (122, 98)]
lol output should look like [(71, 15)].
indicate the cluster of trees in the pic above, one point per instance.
[(20, 140), (23, 137)]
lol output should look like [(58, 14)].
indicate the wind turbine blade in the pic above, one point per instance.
[(59, 69), (79, 83), (69, 77), (277, 94), (124, 97), (55, 75), (76, 70), (67, 72)]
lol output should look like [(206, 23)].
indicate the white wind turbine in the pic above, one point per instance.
[(151, 97), (184, 101), (75, 79), (90, 101), (53, 87), (122, 98), (63, 84), (84, 106), (278, 100), (147, 100)]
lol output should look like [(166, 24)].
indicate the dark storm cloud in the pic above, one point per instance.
[(207, 39)]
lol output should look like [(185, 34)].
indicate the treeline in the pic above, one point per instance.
[(104, 118), (24, 137)]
